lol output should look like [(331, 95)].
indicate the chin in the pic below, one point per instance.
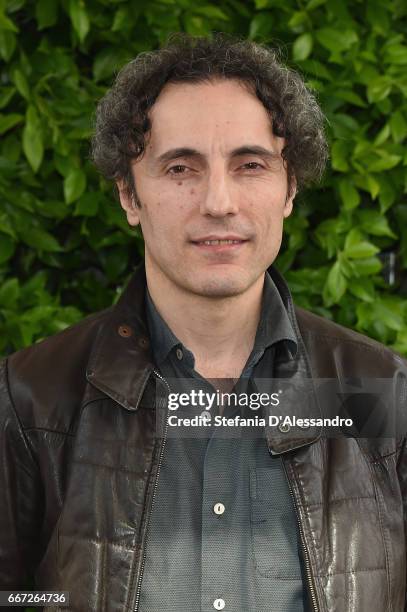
[(219, 287)]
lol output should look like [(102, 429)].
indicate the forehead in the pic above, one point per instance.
[(198, 114)]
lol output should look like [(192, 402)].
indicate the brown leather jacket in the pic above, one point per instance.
[(80, 465)]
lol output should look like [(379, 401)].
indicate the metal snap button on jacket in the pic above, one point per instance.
[(284, 428), (125, 331)]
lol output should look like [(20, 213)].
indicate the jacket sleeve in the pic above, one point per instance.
[(402, 476), (20, 497)]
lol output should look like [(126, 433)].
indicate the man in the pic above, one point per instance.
[(208, 142)]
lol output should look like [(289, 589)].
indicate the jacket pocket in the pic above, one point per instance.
[(273, 523)]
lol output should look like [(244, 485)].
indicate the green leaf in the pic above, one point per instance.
[(373, 185), (107, 62), (5, 225), (79, 18), (340, 155), (6, 94), (46, 13), (353, 237), (9, 121), (298, 21), (213, 12), (383, 135), (335, 285), (374, 223), (21, 83), (379, 89), (356, 247), (121, 20), (350, 96), (13, 5), (328, 233), (40, 239), (302, 47), (361, 251), (338, 40), (33, 139), (74, 185), (387, 194), (344, 126), (378, 16), (385, 161), (388, 315), (362, 288), (33, 287), (316, 68), (395, 54), (87, 205), (7, 248), (9, 293), (368, 183), (398, 126), (8, 43), (6, 24), (401, 341), (368, 266), (313, 4), (261, 26), (349, 194)]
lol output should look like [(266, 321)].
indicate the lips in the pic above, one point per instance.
[(218, 242)]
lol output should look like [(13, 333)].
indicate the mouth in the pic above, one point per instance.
[(219, 245), (218, 242)]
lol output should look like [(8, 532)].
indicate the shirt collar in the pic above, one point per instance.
[(274, 327), (163, 340)]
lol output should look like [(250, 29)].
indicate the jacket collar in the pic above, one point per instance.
[(121, 363), (296, 379)]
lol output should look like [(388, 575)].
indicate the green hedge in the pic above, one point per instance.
[(65, 247)]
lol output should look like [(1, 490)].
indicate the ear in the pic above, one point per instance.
[(288, 206), (128, 204)]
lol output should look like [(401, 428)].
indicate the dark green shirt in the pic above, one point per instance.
[(223, 531)]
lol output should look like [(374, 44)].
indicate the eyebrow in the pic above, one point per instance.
[(180, 152), (177, 153)]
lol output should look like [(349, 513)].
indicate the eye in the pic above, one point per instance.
[(252, 166), (178, 169)]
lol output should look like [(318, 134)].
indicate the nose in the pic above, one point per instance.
[(219, 198)]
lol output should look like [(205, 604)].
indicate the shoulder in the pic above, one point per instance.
[(331, 346), (52, 374)]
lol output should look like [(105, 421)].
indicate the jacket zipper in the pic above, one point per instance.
[(306, 558), (160, 459)]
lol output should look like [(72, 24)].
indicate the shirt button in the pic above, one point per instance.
[(219, 509), (284, 427), (219, 604), (206, 415), (179, 354)]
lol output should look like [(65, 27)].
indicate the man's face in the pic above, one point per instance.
[(213, 190)]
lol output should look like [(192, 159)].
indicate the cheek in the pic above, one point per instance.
[(266, 194)]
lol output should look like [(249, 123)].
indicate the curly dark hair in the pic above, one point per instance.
[(122, 120)]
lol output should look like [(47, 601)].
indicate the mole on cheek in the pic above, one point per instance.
[(192, 191), (179, 183)]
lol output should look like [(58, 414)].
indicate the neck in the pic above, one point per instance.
[(220, 332)]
